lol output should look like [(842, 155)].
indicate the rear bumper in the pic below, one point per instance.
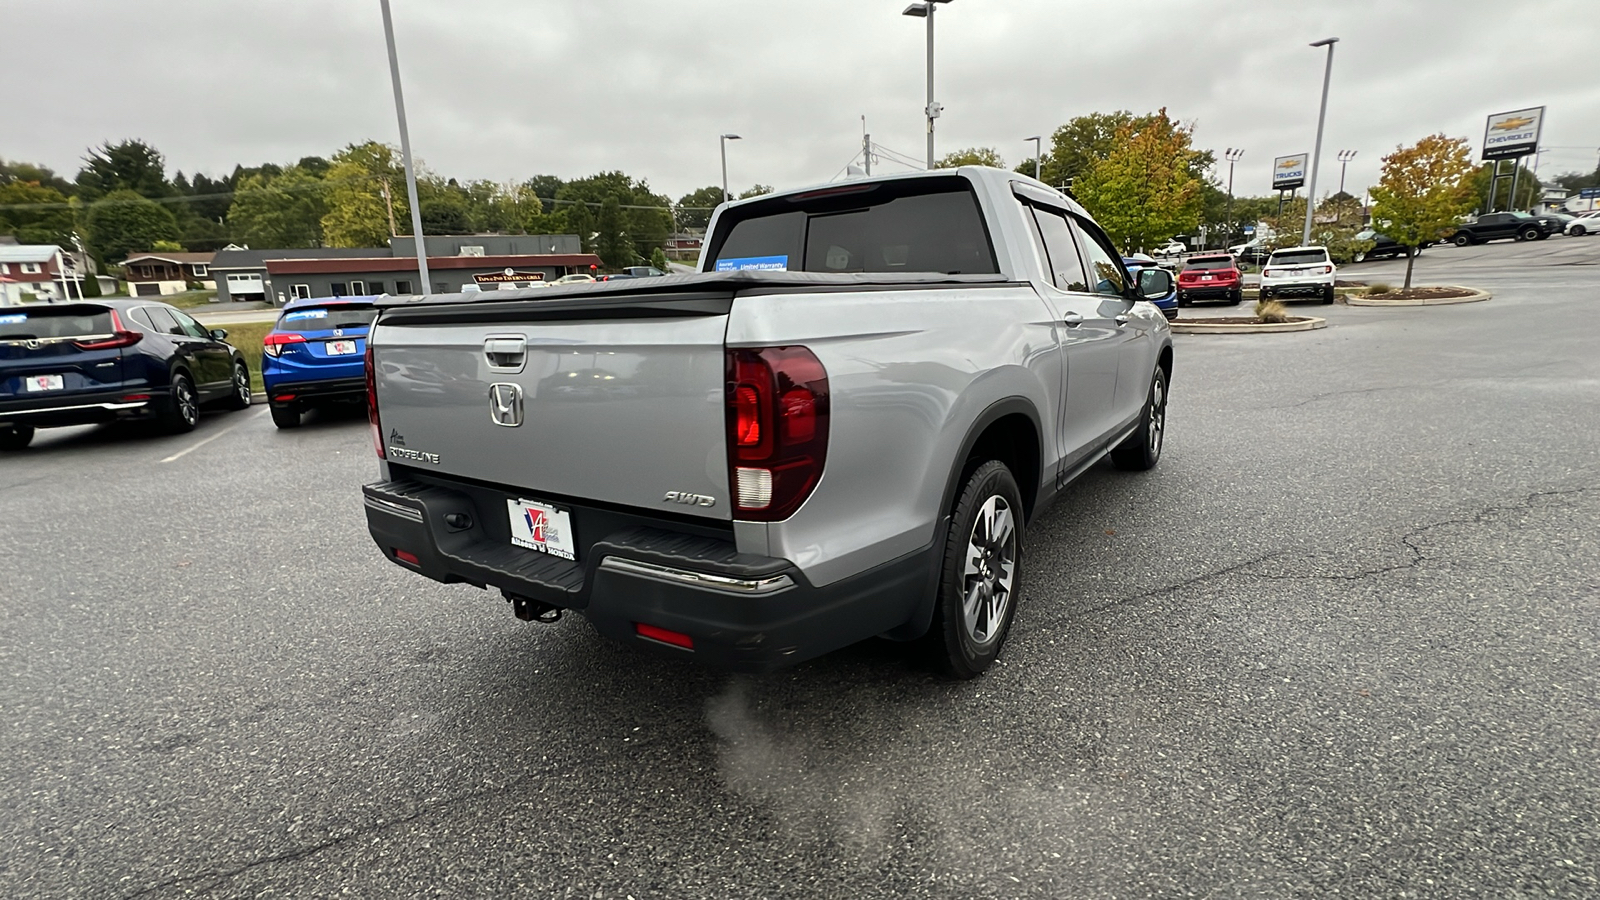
[(54, 411), (308, 392), (742, 612), (1208, 291), (1296, 288)]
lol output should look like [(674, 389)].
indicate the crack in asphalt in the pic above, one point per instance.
[(214, 879), (1351, 391)]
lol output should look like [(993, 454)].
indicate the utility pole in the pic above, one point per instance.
[(925, 10), (725, 139), (388, 202), (1038, 156), (405, 152), (1232, 155), (1316, 155), (1344, 162)]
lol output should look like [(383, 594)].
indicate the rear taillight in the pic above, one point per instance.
[(777, 430), (121, 337), (275, 342), (1265, 273), (1325, 269), (372, 405)]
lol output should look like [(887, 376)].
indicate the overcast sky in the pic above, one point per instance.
[(507, 89)]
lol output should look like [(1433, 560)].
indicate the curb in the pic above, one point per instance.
[(1310, 323), (258, 397), (1477, 296)]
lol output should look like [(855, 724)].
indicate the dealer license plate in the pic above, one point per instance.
[(539, 526), (340, 348), (1205, 277), (45, 382)]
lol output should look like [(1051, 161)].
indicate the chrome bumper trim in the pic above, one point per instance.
[(404, 512), (745, 586)]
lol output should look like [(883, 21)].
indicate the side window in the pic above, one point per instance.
[(162, 321), (190, 326), (1108, 273), (1062, 250), (142, 317)]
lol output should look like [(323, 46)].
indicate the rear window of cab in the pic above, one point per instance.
[(1208, 262), (338, 316), (48, 323)]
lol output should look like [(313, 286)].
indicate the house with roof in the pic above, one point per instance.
[(35, 269), (160, 273)]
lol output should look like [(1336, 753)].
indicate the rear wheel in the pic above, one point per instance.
[(183, 410), (980, 576), (1529, 234), (240, 398), (1462, 240), (1327, 295), (1183, 300), (1235, 296), (1577, 231), (15, 437), (285, 417), (1142, 449), (1360, 256)]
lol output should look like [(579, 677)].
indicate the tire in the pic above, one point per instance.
[(1528, 234), (1360, 256), (1235, 296), (1462, 240), (1327, 295), (15, 437), (1183, 301), (1577, 231), (285, 417), (1264, 294), (183, 410), (240, 398), (980, 576), (1142, 450)]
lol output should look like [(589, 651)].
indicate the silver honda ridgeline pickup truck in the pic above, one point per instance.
[(839, 428)]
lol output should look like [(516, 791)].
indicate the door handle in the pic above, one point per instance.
[(1123, 319), (506, 352), (1072, 320)]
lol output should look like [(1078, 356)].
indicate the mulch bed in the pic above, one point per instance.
[(1421, 293), (1239, 320)]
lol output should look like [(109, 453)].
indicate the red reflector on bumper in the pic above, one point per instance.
[(664, 636), (405, 557), (135, 398), (283, 398)]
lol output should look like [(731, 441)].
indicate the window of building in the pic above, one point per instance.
[(300, 291), (339, 289), (375, 287), (5, 268), (439, 288), (200, 271), (402, 287), (358, 288), (30, 268)]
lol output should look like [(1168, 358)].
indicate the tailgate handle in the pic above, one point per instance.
[(506, 352)]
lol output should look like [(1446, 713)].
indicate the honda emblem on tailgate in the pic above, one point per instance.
[(505, 404)]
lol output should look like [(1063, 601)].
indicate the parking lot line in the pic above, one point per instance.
[(198, 444)]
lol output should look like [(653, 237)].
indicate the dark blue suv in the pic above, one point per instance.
[(316, 355), (111, 360)]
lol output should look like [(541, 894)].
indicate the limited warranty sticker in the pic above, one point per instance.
[(754, 264)]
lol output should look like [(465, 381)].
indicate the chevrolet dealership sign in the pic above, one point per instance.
[(1513, 134), (1289, 172)]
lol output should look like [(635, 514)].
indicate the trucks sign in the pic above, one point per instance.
[(1289, 172), (1512, 134)]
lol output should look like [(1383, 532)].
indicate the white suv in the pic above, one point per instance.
[(1299, 272)]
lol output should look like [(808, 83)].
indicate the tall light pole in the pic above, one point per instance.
[(1316, 153), (725, 139), (1344, 161), (1038, 155), (925, 10), (405, 150), (1232, 155)]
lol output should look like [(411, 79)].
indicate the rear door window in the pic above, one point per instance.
[(162, 321), (190, 326), (49, 323), (1065, 265), (923, 226), (327, 318)]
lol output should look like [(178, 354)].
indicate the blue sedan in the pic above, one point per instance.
[(1168, 304), (316, 355)]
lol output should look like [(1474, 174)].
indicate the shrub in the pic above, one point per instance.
[(1379, 287), (1271, 312)]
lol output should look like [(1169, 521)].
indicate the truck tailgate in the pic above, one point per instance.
[(601, 401)]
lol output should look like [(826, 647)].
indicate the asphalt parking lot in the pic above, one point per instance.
[(1342, 642)]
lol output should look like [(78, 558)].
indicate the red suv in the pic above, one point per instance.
[(1210, 277)]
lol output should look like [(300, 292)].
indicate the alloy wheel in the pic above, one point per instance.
[(987, 578), (188, 407)]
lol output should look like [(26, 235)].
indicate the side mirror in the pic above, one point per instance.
[(219, 334), (1154, 284)]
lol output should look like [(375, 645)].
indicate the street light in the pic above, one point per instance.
[(1316, 154), (1232, 155), (1344, 160), (1038, 155), (925, 11), (725, 139), (405, 151)]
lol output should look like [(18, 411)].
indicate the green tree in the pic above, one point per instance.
[(354, 187), (282, 212), (614, 243), (446, 213), (1572, 181), (125, 222), (760, 190), (581, 220), (695, 208), (545, 187), (1086, 140), (166, 247), (1145, 190), (646, 216), (658, 258), (972, 156), (127, 165), (44, 176), (1528, 188), (35, 214), (1422, 191)]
